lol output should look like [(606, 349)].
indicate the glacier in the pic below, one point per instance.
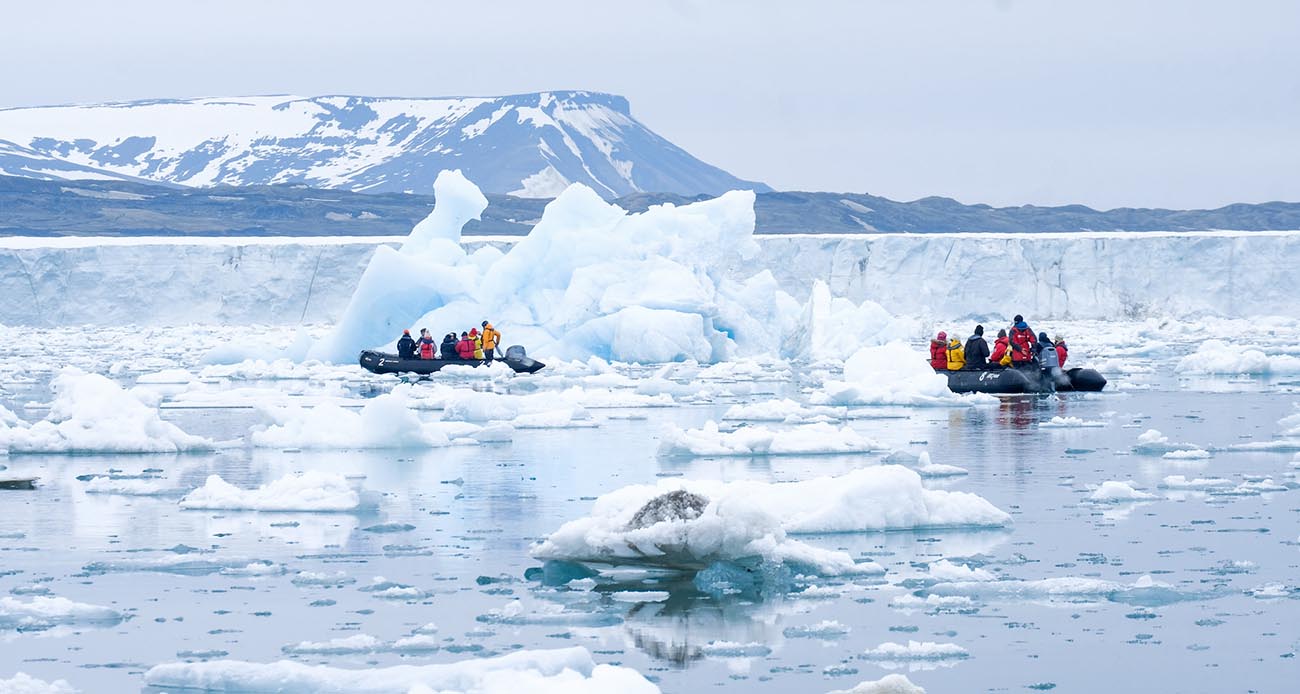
[(287, 280)]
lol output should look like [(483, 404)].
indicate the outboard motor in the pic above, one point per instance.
[(517, 358)]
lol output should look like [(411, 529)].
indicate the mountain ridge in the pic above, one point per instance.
[(530, 145)]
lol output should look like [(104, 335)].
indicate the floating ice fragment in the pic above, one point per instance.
[(809, 439), (915, 650), (889, 684), (1070, 423), (22, 683), (311, 491), (43, 612), (1112, 491)]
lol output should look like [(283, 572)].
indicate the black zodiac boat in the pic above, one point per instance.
[(1022, 380), (386, 363)]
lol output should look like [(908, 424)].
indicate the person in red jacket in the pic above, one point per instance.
[(465, 348), (939, 351), (426, 344), (1000, 347), (1061, 350), (1022, 342)]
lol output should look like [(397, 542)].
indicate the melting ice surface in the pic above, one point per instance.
[(796, 504), (335, 561)]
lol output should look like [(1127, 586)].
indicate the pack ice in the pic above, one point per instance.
[(591, 279)]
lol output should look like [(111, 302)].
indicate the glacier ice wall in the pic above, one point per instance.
[(53, 282)]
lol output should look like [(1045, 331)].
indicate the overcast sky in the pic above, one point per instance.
[(1186, 103)]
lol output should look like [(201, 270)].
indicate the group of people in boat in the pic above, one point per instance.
[(1014, 347), (471, 346)]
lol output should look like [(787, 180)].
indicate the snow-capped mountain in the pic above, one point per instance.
[(529, 145)]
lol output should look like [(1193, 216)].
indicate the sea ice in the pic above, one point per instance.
[(889, 684), (1112, 491), (22, 683), (915, 650), (746, 519), (93, 414), (310, 491), (44, 612), (567, 671), (808, 439), (1219, 357), (893, 374), (385, 421), (1070, 423)]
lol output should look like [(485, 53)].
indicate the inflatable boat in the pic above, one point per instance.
[(1023, 380), (385, 363)]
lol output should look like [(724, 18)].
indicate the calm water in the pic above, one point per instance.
[(475, 512)]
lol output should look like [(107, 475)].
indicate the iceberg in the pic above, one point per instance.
[(893, 374), (590, 279)]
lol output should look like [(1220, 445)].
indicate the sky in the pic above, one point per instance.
[(1108, 103)]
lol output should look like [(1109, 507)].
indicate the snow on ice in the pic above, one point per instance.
[(93, 414), (809, 439), (748, 519), (311, 491)]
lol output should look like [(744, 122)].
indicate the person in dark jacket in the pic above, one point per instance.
[(426, 345), (465, 348), (977, 350), (406, 346), (449, 346)]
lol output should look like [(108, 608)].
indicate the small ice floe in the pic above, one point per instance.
[(1252, 487), (1113, 491), (1219, 357), (44, 612), (925, 468), (935, 604), (182, 565), (826, 630), (254, 569), (1070, 423), (893, 374), (385, 421), (1144, 592), (385, 589), (783, 410), (311, 491), (808, 439), (914, 651), (1187, 454), (547, 614), (108, 485), (639, 596), (944, 570), (1272, 591), (363, 644), (568, 669), (564, 418), (1181, 482), (314, 579), (166, 377), (1152, 442), (692, 523), (889, 684), (732, 649), (22, 683), (93, 414)]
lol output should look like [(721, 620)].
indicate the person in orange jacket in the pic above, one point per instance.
[(491, 338)]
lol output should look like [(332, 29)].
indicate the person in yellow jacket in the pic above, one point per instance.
[(956, 355), (477, 340), (491, 338)]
